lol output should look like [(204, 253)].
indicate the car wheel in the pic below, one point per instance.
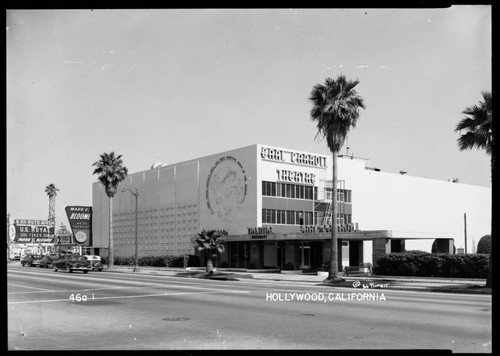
[(100, 269), (85, 272), (68, 269)]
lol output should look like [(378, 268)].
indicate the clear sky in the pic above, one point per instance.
[(173, 85)]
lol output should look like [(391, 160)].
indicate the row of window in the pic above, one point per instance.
[(343, 195), (289, 217), (285, 190), (293, 217)]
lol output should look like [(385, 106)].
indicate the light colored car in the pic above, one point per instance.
[(95, 262)]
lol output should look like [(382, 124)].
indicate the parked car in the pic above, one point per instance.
[(71, 263), (48, 260), (95, 262), (31, 260), (15, 256)]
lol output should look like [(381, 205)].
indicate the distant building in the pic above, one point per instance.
[(273, 206)]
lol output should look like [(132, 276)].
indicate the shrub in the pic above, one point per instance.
[(193, 261), (434, 247), (177, 261), (433, 265), (223, 264), (484, 244)]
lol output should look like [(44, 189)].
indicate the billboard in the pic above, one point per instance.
[(80, 221), (30, 231)]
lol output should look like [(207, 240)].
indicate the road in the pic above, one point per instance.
[(50, 310)]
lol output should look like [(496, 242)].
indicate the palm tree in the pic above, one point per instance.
[(51, 191), (335, 110), (480, 134), (208, 241), (111, 172)]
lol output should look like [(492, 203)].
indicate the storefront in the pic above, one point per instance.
[(312, 251)]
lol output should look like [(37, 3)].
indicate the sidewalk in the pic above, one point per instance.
[(438, 284)]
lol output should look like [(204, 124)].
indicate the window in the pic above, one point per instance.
[(308, 218), (290, 217), (299, 219), (280, 216), (328, 193), (308, 194), (300, 192), (268, 216)]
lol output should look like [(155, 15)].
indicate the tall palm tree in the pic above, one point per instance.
[(51, 191), (110, 172), (480, 134), (335, 111), (208, 241)]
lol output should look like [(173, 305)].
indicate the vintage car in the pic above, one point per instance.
[(31, 260), (95, 262), (70, 263), (48, 260)]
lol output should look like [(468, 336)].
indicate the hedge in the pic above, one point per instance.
[(424, 264), (155, 261)]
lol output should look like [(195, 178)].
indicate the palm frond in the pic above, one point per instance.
[(209, 241), (478, 124), (110, 171), (335, 109)]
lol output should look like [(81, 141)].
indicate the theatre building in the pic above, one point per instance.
[(273, 206)]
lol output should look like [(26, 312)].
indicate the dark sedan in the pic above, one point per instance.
[(70, 263), (48, 260), (31, 260)]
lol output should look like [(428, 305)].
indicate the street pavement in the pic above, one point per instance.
[(165, 309)]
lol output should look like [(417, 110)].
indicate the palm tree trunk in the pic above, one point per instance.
[(52, 211), (110, 247), (333, 275), (210, 265)]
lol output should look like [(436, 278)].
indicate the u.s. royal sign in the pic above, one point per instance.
[(32, 231)]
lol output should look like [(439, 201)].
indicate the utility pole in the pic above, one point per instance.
[(136, 194), (465, 231), (8, 237)]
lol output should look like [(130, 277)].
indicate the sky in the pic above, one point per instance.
[(174, 85)]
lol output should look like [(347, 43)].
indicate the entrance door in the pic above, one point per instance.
[(280, 250), (305, 248), (354, 253)]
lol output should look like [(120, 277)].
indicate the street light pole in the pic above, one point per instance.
[(136, 194)]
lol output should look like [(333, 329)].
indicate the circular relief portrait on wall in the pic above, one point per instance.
[(226, 188)]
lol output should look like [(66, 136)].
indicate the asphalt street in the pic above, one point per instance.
[(50, 310)]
